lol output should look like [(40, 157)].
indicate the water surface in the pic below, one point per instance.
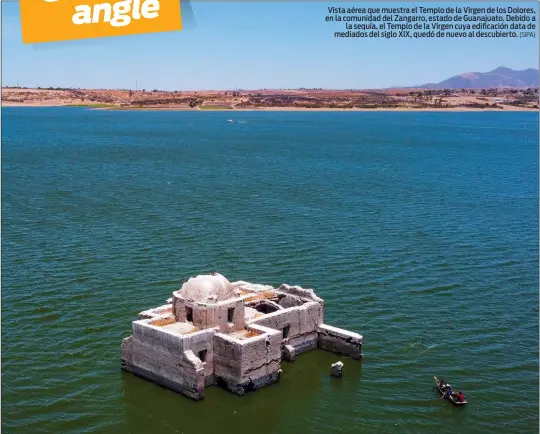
[(420, 231)]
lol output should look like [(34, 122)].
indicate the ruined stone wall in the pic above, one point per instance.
[(261, 359), (199, 342), (299, 324), (243, 365), (168, 359), (209, 315), (158, 311), (179, 308), (220, 311), (288, 300), (340, 341), (251, 287), (306, 293), (126, 349), (227, 361)]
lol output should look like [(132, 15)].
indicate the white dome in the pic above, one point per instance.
[(205, 287)]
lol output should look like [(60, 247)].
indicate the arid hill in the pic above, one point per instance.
[(407, 99), (498, 78)]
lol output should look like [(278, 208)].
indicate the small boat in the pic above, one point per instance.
[(229, 120), (452, 398)]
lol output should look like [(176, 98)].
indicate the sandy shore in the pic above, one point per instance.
[(47, 103), (269, 109)]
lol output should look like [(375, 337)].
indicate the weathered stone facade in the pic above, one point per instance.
[(230, 334)]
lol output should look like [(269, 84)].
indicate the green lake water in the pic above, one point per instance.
[(420, 231)]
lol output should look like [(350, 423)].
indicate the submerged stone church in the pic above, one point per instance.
[(233, 335)]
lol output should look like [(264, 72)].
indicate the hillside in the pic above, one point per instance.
[(277, 99), (498, 78)]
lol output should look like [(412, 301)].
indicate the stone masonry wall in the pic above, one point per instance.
[(247, 364), (340, 341), (227, 361), (127, 354), (199, 342), (211, 314), (302, 322), (306, 293), (220, 315), (170, 359), (261, 359)]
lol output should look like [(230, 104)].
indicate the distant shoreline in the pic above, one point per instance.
[(281, 100), (281, 109)]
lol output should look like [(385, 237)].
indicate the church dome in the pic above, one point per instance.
[(207, 288)]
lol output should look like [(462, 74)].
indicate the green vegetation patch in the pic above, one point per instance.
[(215, 107), (96, 105)]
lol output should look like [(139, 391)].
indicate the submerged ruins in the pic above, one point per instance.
[(232, 335)]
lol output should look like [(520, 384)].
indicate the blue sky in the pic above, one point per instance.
[(255, 46)]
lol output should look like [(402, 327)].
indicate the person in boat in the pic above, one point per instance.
[(443, 385), (448, 393), (460, 397)]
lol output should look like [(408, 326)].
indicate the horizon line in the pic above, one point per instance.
[(235, 88), (320, 89)]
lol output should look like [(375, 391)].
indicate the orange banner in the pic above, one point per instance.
[(64, 20)]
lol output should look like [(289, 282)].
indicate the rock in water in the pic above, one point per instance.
[(337, 369)]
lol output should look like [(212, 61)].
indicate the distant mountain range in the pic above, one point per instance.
[(499, 77)]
